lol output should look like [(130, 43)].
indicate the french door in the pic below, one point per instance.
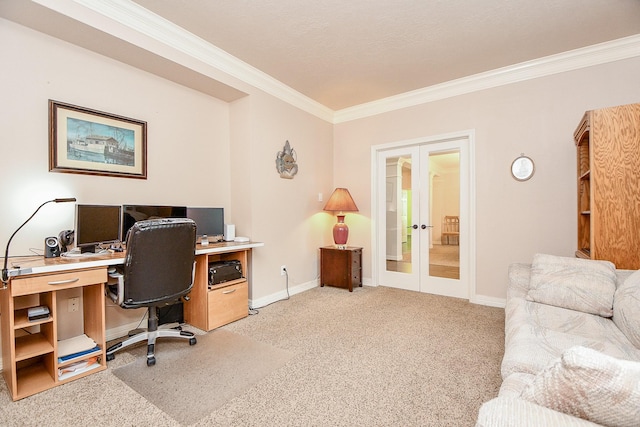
[(422, 210)]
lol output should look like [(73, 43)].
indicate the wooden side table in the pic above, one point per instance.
[(341, 267)]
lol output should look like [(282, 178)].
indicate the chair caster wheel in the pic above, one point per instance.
[(110, 357), (192, 341), (151, 361)]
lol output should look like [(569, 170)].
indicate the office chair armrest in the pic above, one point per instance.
[(115, 287)]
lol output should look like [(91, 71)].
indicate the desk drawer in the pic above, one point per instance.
[(53, 282), (227, 304)]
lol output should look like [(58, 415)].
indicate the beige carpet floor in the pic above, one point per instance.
[(373, 357)]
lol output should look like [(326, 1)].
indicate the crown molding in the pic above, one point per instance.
[(142, 21), (624, 48)]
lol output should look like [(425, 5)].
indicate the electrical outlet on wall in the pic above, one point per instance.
[(283, 270), (74, 304)]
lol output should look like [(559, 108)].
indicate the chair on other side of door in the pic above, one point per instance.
[(450, 230)]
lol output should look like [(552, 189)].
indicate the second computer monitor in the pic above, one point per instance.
[(133, 213), (209, 221)]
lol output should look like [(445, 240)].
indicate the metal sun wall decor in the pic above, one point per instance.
[(286, 162)]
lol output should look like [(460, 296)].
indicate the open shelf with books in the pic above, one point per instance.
[(30, 347)]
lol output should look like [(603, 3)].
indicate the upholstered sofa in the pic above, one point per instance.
[(572, 346)]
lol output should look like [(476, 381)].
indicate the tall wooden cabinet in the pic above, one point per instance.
[(608, 146)]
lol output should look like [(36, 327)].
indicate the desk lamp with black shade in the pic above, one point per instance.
[(341, 202), (5, 271)]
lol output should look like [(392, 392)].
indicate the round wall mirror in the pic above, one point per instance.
[(522, 168)]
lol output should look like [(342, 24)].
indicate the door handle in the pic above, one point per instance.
[(415, 226), (426, 226)]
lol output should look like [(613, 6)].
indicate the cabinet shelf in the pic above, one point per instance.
[(585, 176), (32, 345), (80, 358), (22, 320), (228, 283), (33, 379)]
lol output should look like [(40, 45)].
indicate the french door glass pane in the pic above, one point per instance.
[(398, 214), (444, 250)]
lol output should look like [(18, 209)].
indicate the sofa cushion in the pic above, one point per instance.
[(536, 334), (590, 385), (574, 283), (626, 308)]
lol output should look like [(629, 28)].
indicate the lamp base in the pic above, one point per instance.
[(340, 233)]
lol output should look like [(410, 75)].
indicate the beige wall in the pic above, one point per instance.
[(283, 213), (514, 220), (201, 152)]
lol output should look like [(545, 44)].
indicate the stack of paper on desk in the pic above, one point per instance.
[(73, 346)]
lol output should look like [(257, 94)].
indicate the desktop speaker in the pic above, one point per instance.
[(229, 232), (51, 247)]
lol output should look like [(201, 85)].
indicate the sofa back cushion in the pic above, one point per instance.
[(573, 283), (626, 308)]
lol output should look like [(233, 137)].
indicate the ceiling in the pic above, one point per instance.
[(345, 53), (337, 53)]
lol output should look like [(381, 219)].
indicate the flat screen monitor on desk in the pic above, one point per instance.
[(97, 225), (209, 221), (133, 213)]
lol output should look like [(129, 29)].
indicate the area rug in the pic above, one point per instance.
[(190, 382)]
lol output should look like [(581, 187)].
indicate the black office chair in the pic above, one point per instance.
[(158, 270)]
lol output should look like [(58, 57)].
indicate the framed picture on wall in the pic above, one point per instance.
[(93, 142)]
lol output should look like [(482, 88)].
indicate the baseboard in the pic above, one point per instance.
[(281, 295), (122, 330), (489, 301)]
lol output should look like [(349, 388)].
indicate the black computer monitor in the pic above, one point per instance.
[(133, 213), (97, 225), (209, 221)]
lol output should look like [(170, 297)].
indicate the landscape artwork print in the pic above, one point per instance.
[(93, 142)]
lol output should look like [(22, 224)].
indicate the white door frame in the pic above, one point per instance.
[(467, 171)]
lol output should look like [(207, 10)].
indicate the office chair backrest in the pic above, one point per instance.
[(159, 262)]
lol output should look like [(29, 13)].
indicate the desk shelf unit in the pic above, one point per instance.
[(213, 306), (30, 349)]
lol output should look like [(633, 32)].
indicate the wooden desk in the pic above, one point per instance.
[(30, 350)]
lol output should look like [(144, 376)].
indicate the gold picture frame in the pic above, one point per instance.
[(86, 141)]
